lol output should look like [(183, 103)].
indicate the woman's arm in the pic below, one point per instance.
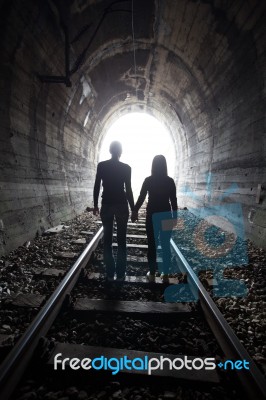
[(173, 199), (140, 201), (142, 195)]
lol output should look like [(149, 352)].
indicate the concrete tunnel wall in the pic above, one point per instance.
[(200, 69)]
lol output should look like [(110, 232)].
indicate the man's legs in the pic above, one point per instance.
[(121, 216), (107, 216)]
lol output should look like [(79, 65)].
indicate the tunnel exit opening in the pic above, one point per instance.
[(142, 137)]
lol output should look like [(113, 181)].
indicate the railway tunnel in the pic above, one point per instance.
[(70, 69)]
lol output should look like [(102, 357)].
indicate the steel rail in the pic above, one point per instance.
[(17, 360), (252, 380)]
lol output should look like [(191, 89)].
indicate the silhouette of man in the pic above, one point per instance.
[(117, 193)]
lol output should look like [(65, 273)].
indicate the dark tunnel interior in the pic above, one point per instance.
[(69, 69)]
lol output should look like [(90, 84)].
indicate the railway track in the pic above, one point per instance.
[(84, 297)]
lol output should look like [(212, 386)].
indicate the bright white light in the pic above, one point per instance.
[(142, 137)]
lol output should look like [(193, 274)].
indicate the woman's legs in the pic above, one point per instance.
[(165, 237), (151, 245)]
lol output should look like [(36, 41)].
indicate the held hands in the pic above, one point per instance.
[(134, 216), (96, 211)]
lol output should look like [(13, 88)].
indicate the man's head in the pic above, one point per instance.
[(116, 149)]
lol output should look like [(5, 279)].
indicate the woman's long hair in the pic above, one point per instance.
[(159, 166)]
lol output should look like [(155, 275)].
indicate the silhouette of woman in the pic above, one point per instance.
[(161, 207)]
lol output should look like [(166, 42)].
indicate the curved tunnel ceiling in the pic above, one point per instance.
[(200, 69), (183, 51)]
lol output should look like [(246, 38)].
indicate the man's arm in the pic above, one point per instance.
[(96, 189), (129, 192)]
